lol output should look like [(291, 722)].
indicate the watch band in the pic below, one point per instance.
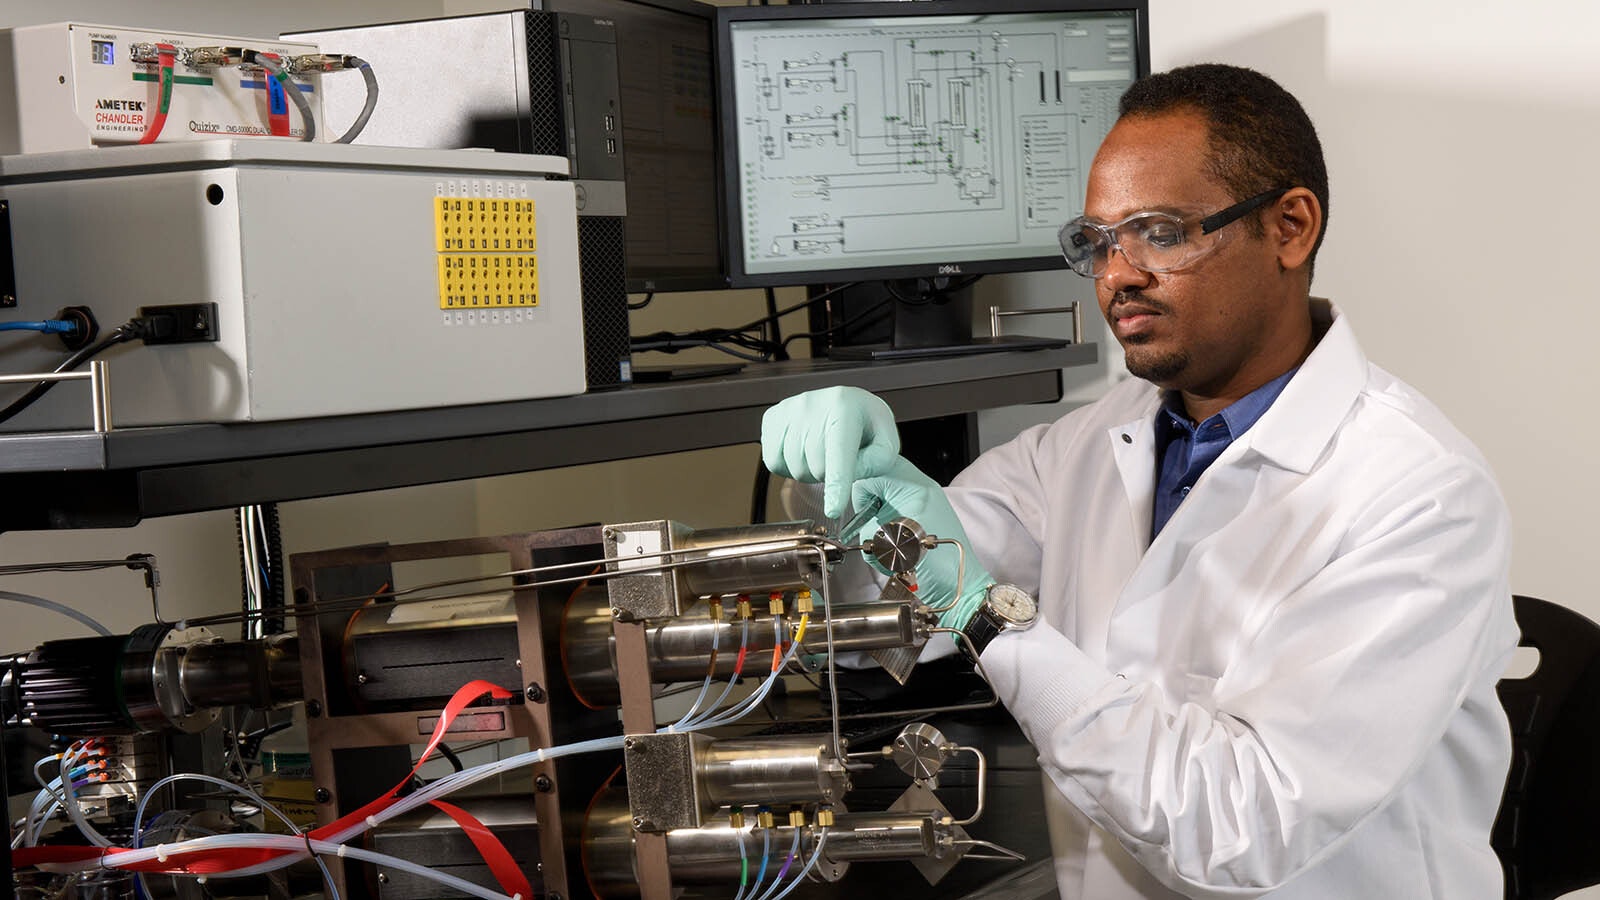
[(980, 630)]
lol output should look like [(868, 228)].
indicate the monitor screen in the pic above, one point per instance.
[(669, 144), (908, 140)]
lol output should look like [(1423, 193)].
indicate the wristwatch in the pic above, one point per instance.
[(1005, 607)]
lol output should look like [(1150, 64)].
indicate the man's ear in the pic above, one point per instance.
[(1293, 223)]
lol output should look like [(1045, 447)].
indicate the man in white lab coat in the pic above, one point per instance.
[(1271, 579)]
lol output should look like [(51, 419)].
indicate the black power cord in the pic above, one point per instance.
[(751, 347), (183, 323), (118, 335)]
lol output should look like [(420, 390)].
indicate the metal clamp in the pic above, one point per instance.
[(1075, 308), (99, 389)]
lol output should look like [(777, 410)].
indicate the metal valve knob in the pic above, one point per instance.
[(898, 546), (920, 751)]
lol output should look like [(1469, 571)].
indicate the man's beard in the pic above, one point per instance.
[(1154, 366), (1148, 363)]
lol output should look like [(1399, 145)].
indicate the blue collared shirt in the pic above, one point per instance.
[(1185, 450)]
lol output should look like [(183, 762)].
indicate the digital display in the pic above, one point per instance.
[(878, 143), (103, 53)]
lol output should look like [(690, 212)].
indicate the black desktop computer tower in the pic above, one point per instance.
[(523, 81)]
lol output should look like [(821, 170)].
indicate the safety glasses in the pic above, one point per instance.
[(1151, 241)]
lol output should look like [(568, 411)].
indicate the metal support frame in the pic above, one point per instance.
[(1075, 308), (99, 390), (528, 717), (639, 717)]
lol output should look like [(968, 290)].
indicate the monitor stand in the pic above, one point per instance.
[(928, 321)]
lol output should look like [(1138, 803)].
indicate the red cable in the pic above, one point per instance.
[(469, 692), (277, 113), (505, 869), (168, 56)]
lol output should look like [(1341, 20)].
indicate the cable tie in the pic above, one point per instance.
[(372, 822), (161, 853), (341, 851), (201, 880)]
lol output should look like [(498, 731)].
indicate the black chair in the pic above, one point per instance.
[(1548, 830)]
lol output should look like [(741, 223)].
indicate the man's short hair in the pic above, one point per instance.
[(1261, 137)]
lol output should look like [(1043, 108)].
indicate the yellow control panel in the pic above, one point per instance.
[(486, 252)]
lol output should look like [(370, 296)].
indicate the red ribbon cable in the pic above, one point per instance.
[(168, 58), (505, 869), (469, 692), (277, 112), (211, 862)]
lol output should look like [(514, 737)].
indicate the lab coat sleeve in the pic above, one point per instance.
[(1338, 693), (999, 499)]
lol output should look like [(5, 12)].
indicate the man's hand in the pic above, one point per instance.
[(907, 491), (834, 435)]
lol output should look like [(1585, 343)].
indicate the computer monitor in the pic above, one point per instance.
[(669, 143), (926, 140)]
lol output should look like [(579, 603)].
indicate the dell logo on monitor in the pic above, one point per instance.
[(949, 269)]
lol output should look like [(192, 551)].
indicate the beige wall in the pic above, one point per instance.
[(1460, 140)]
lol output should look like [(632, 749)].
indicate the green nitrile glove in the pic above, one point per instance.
[(834, 435), (906, 491)]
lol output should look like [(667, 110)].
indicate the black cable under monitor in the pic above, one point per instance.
[(913, 146)]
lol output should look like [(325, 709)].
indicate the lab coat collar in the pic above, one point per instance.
[(1292, 434), (1297, 429), (1133, 446)]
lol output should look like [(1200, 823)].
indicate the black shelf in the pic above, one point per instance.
[(87, 480)]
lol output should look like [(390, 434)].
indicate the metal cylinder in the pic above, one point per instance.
[(771, 771), (695, 855), (725, 561), (609, 866), (680, 650), (158, 678), (260, 674), (710, 855), (878, 836)]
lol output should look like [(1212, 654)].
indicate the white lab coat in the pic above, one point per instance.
[(1290, 693)]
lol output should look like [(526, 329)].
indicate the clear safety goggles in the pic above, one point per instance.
[(1151, 241)]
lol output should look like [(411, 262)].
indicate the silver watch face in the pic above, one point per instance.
[(1012, 604)]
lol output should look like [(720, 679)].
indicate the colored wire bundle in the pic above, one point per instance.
[(816, 854), (291, 87), (743, 707), (777, 880)]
